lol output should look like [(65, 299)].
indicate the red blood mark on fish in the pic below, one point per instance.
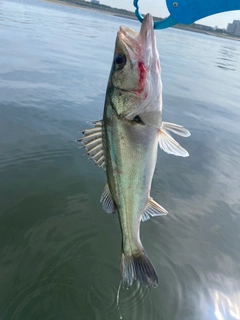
[(142, 77)]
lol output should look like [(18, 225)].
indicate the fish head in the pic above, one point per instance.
[(135, 76)]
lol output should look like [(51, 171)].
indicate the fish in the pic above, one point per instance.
[(125, 144)]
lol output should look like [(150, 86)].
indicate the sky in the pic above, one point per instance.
[(159, 8)]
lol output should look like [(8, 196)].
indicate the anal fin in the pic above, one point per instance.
[(107, 200), (153, 209)]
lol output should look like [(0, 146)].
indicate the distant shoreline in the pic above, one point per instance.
[(130, 15)]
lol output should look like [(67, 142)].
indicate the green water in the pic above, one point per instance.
[(59, 252)]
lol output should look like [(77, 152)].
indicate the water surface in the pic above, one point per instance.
[(59, 252)]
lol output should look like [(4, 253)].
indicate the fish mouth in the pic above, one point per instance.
[(129, 37), (140, 44)]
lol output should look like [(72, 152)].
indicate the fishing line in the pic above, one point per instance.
[(118, 297)]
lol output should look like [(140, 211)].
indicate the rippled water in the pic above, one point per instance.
[(59, 252)]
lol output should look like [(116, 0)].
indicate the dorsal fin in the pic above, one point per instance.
[(92, 142), (107, 200)]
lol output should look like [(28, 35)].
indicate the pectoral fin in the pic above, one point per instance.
[(92, 142), (107, 200), (166, 141), (175, 128), (153, 209)]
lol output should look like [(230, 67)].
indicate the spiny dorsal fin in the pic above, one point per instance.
[(153, 209), (92, 142), (107, 200)]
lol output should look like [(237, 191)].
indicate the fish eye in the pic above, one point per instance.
[(119, 61)]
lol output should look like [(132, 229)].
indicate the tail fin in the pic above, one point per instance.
[(138, 268)]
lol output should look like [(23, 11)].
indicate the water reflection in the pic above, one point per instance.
[(226, 307)]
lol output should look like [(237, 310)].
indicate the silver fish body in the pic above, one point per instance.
[(131, 154), (125, 143)]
